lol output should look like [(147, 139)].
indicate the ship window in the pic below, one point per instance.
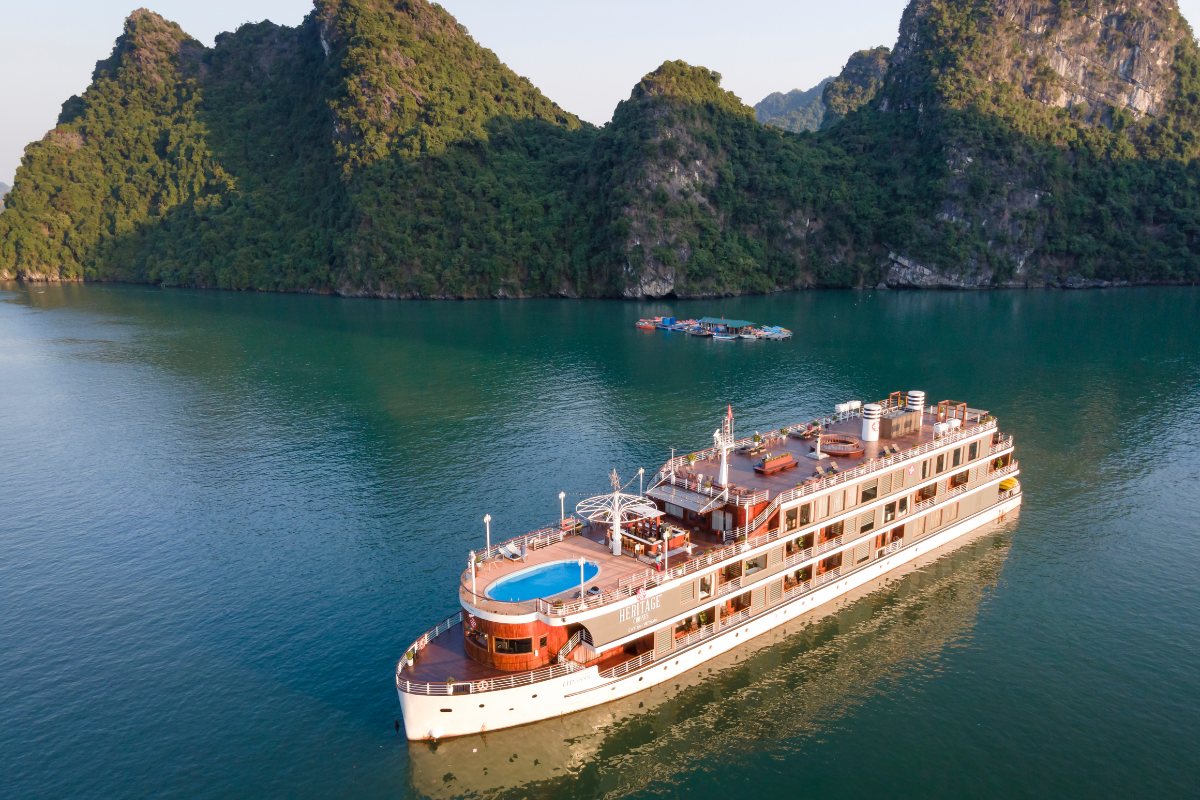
[(756, 564), (822, 507), (542, 642), (706, 586), (514, 645), (789, 519), (973, 451), (867, 525), (927, 492), (674, 510), (806, 513), (956, 457), (925, 469), (941, 463), (722, 520), (889, 512), (870, 491), (835, 502), (902, 506), (960, 478)]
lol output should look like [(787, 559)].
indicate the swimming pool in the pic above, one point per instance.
[(546, 580)]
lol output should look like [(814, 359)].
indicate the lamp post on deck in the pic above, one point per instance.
[(581, 580), (562, 510), (641, 472), (487, 527)]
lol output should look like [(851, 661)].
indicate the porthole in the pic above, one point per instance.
[(535, 695), (447, 710), (481, 705)]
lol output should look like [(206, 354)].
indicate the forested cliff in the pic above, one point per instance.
[(376, 149)]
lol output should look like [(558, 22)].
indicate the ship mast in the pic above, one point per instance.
[(723, 442)]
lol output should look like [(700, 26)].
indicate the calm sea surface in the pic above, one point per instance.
[(224, 516)]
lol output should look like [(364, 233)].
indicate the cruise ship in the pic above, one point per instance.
[(726, 543)]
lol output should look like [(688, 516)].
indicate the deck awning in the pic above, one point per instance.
[(686, 498), (728, 323)]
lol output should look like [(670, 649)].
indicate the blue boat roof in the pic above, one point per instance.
[(729, 323)]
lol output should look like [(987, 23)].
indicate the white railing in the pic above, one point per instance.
[(628, 666), (799, 588), (734, 619), (450, 687), (888, 549), (825, 547), (821, 580), (698, 635), (571, 644), (429, 635)]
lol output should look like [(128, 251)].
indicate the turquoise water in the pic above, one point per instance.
[(544, 581), (224, 516)]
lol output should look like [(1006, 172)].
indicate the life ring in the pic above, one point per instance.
[(484, 685)]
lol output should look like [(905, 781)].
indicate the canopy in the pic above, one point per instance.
[(617, 507), (728, 323), (685, 498)]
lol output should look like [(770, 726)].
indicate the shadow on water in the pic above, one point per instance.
[(785, 687)]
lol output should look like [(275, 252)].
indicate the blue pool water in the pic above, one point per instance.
[(544, 581)]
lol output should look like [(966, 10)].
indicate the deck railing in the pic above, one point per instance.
[(628, 666)]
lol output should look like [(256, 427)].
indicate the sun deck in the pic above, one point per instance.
[(742, 461), (615, 572)]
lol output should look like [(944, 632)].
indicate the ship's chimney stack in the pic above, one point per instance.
[(916, 404), (870, 429)]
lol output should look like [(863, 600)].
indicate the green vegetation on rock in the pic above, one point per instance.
[(797, 111), (376, 149)]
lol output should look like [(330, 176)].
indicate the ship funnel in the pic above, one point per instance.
[(916, 403), (870, 429)]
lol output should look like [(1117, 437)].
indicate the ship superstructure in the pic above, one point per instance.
[(726, 543)]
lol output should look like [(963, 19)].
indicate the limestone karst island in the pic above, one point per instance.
[(376, 149)]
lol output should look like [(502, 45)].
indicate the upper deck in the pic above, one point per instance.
[(691, 481)]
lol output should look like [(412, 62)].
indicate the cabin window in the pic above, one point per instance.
[(756, 564), (706, 585), (514, 645), (477, 638), (941, 463), (951, 513), (889, 512), (722, 520), (835, 503), (870, 491), (822, 507), (806, 513), (927, 492), (960, 478), (542, 642), (674, 510), (902, 505), (956, 457), (867, 524), (790, 518), (925, 469), (973, 451)]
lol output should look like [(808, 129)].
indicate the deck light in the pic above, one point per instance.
[(562, 510), (487, 527), (641, 474)]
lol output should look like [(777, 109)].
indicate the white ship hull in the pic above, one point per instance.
[(444, 716)]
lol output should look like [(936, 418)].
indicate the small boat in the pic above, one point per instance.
[(751, 336), (724, 337)]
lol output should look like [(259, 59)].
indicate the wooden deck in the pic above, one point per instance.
[(446, 657), (743, 475), (589, 545)]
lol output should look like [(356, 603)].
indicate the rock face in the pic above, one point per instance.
[(1091, 56), (857, 84)]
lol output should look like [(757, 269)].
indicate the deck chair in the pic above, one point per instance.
[(510, 552), (821, 472), (833, 466)]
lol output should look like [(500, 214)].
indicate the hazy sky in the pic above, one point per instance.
[(586, 56)]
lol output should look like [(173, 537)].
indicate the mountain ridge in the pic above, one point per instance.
[(376, 149)]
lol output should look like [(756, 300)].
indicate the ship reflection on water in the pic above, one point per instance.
[(787, 684)]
